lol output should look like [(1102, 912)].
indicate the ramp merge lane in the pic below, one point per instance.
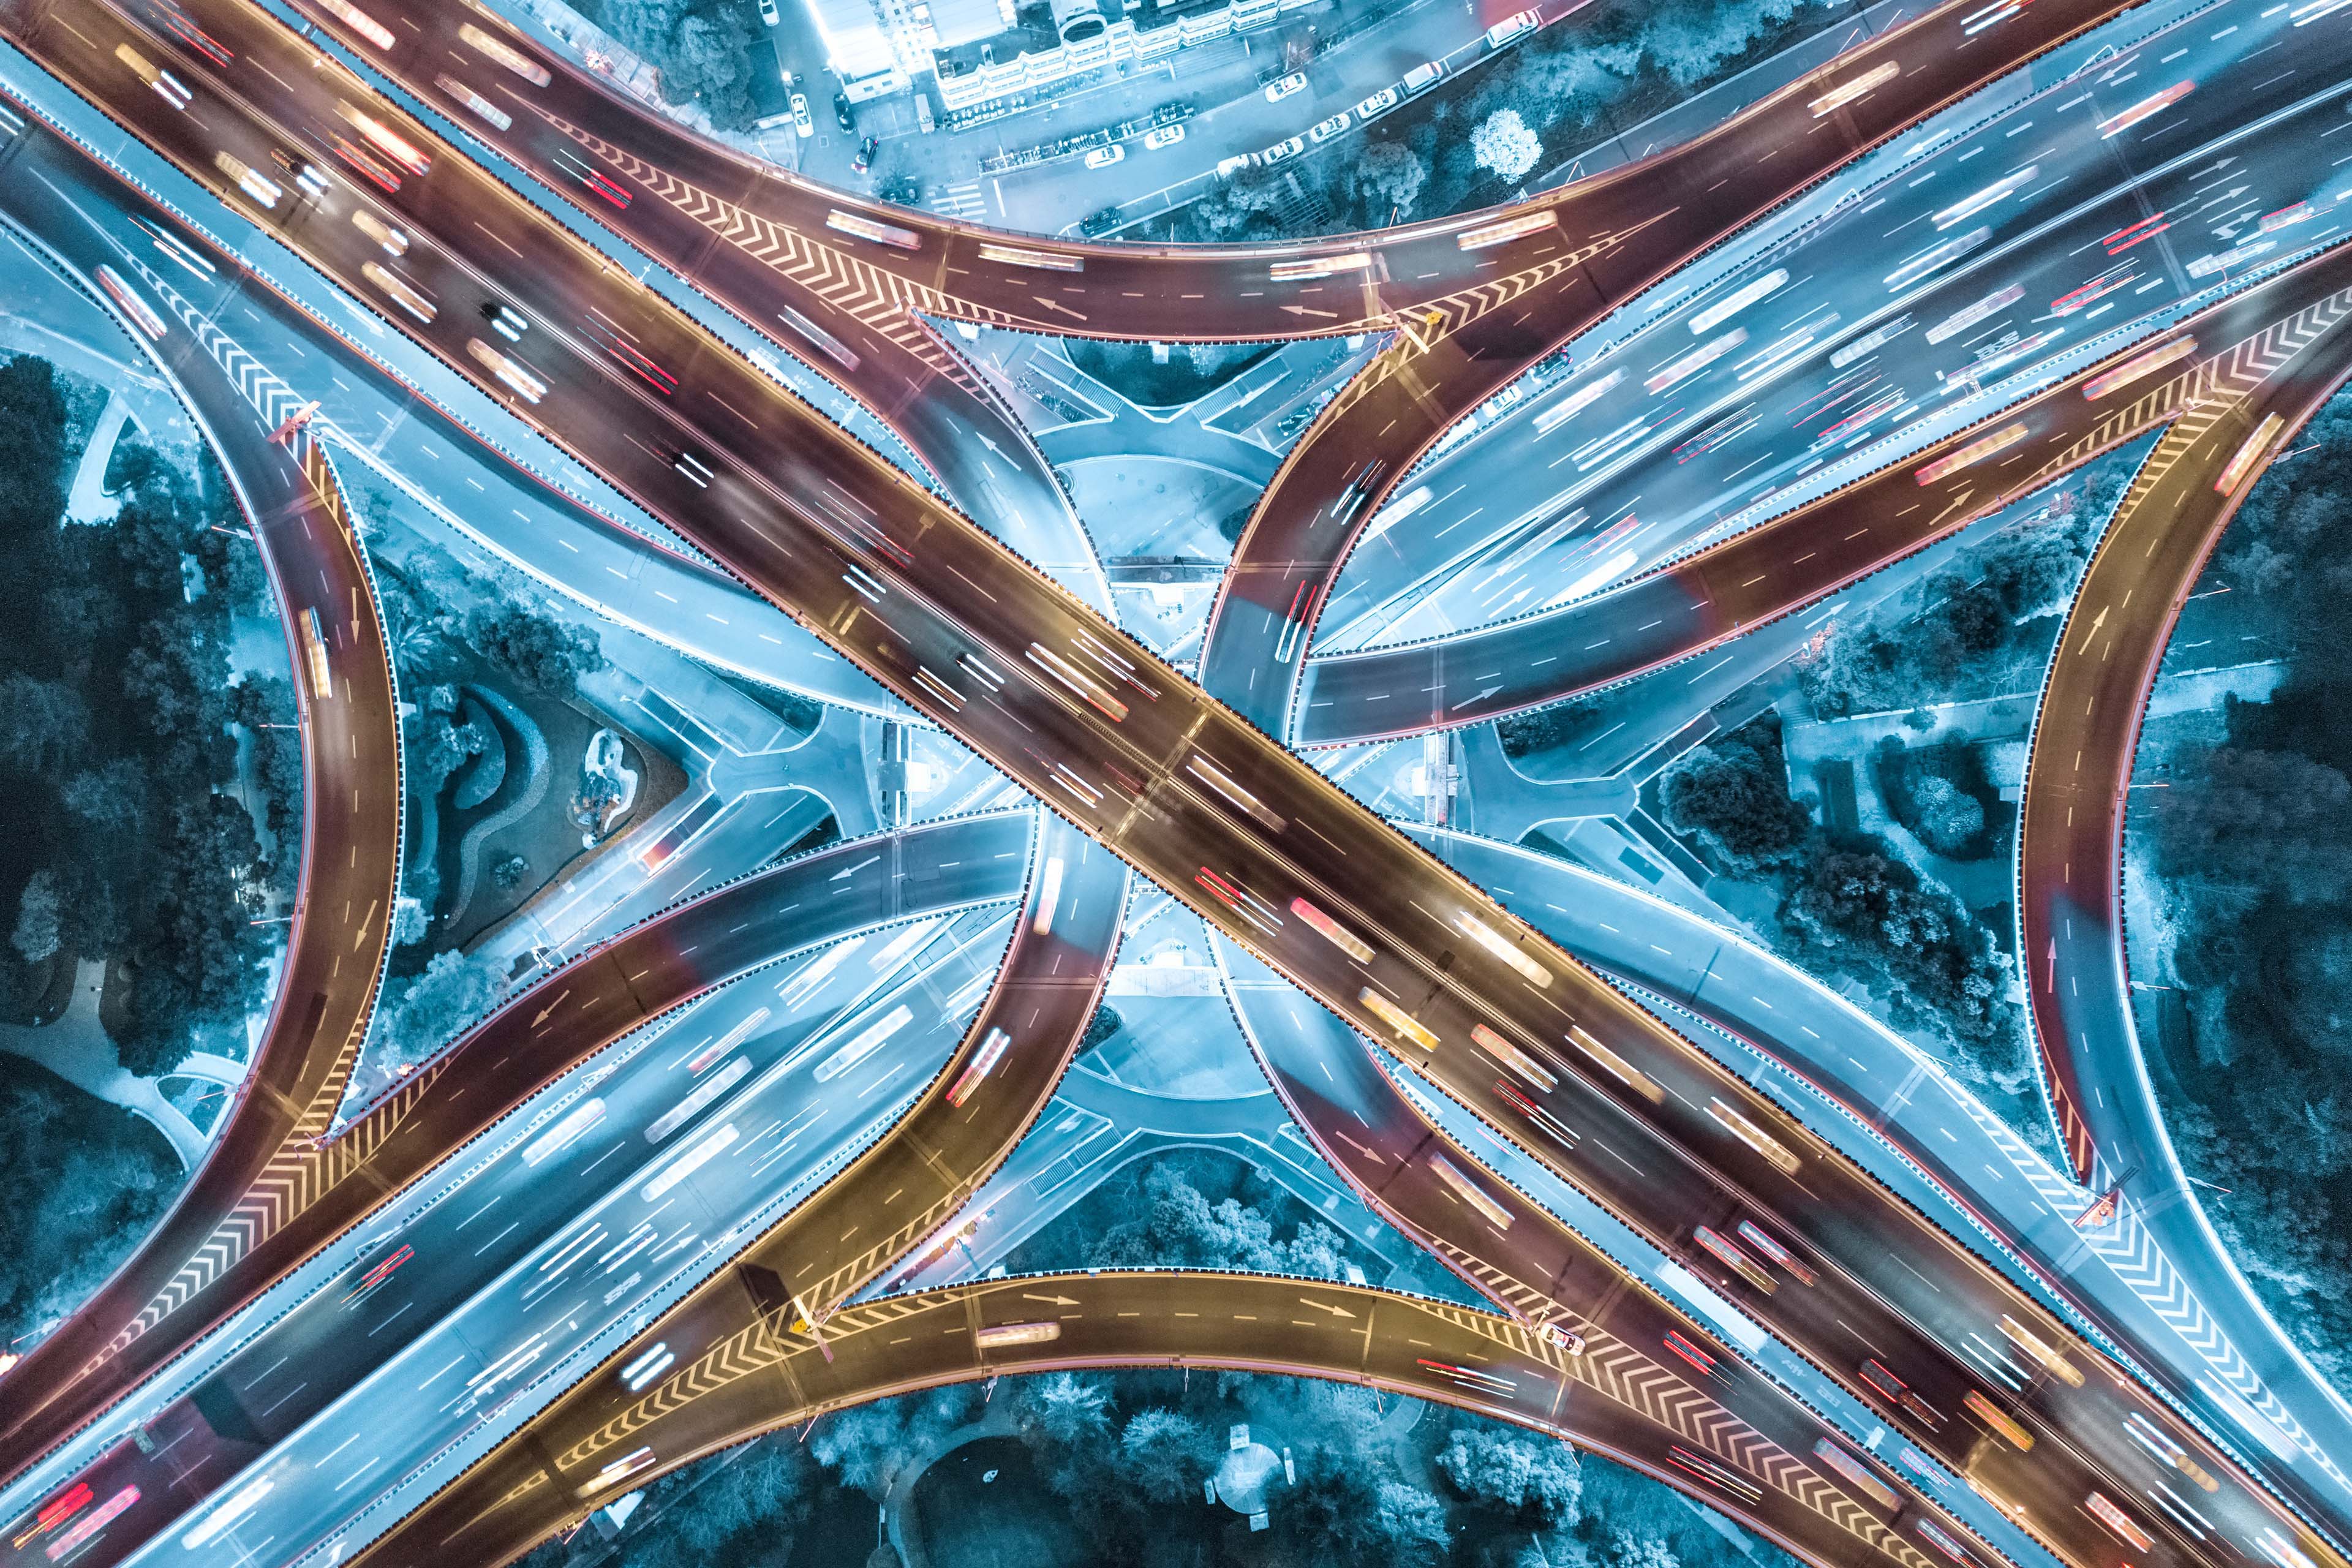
[(259, 1156)]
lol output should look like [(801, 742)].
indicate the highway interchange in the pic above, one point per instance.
[(986, 617)]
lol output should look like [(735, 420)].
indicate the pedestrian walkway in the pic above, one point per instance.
[(88, 500), (959, 202), (76, 1048)]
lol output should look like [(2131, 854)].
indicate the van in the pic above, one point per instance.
[(1421, 77), (1511, 28)]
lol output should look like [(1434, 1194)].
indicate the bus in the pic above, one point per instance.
[(1508, 229), (1738, 1262), (1226, 784), (1403, 1023), (358, 21), (504, 54), (1975, 452), (1077, 681), (404, 296), (1999, 1420), (2248, 452), (1049, 260), (142, 315), (314, 657), (1332, 931), (1511, 1057), (835, 348), (995, 1336), (1855, 1473), (1755, 1137), (1319, 267), (2138, 365), (2126, 1528), (1617, 1067), (1470, 1192), (984, 1062), (866, 229)]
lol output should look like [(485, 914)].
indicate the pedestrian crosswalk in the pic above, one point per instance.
[(961, 202)]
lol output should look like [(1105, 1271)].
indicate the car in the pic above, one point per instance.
[(1422, 77), (841, 115), (1104, 157), (1228, 167), (801, 120), (1324, 130), (1276, 90), (768, 13), (1281, 150), (865, 159), (1565, 1340), (1380, 103), (1166, 136)]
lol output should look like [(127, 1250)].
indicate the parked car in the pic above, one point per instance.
[(1281, 150), (1511, 27), (1324, 130), (865, 159), (1276, 91), (841, 115), (1228, 167), (1166, 136), (768, 13), (1422, 77), (1104, 157), (1380, 103), (806, 126)]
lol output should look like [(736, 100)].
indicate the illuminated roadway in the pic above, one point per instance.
[(2069, 867), (1383, 876), (1753, 577), (1635, 457), (1170, 827), (350, 850)]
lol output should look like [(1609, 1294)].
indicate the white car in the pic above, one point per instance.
[(1330, 128), (800, 121), (1228, 167), (1166, 136), (1276, 91), (1380, 103), (1104, 157), (1281, 150), (768, 13)]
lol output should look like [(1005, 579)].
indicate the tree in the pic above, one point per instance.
[(1503, 144), (1535, 1481), (1948, 818), (36, 936), (1165, 1455), (708, 62), (1854, 909), (44, 724), (1733, 792), (1070, 1410), (763, 1489), (1388, 176), (1627, 1549), (542, 652), (454, 990), (1343, 1513), (33, 458), (1233, 205), (870, 1447)]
